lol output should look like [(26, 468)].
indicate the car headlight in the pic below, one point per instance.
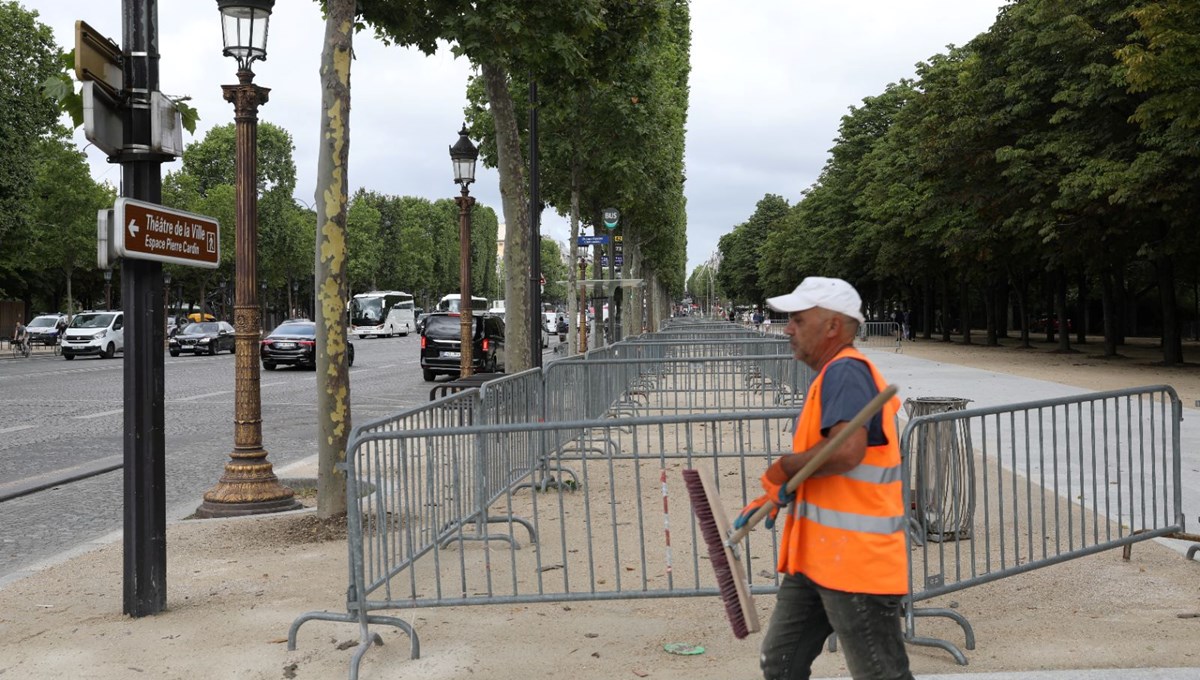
[(203, 341), (101, 334)]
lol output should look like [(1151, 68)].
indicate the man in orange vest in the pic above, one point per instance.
[(843, 556)]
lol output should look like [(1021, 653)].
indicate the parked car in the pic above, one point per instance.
[(441, 344), (43, 329), (294, 342), (209, 337), (98, 333)]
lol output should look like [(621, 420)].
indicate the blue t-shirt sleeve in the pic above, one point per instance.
[(847, 387)]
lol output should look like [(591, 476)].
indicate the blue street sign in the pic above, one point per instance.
[(593, 240), (604, 261), (620, 260)]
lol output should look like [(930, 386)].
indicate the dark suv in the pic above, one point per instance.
[(441, 344)]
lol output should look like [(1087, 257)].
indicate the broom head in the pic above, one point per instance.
[(714, 527)]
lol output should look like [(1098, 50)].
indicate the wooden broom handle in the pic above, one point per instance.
[(831, 445)]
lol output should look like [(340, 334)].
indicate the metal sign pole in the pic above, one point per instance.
[(145, 526)]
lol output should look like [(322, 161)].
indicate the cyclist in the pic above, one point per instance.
[(20, 338)]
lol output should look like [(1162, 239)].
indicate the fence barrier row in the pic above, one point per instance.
[(558, 472)]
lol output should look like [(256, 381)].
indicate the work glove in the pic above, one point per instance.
[(774, 482), (751, 508)]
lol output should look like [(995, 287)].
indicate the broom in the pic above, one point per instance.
[(714, 526)]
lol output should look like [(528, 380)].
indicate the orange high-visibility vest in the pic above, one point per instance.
[(846, 531)]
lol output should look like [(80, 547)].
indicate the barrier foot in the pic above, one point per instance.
[(503, 519), (549, 481), (365, 635), (959, 657), (968, 631), (368, 638), (1191, 552)]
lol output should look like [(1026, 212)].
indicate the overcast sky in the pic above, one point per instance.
[(770, 82)]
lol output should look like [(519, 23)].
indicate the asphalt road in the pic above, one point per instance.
[(57, 415)]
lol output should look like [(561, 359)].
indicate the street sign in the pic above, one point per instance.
[(604, 260), (593, 240), (104, 221), (146, 231), (166, 125), (620, 260), (98, 59), (618, 239), (611, 216), (103, 125)]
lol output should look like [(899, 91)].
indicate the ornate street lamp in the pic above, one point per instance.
[(464, 154), (249, 485)]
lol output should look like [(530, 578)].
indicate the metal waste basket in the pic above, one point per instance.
[(944, 469)]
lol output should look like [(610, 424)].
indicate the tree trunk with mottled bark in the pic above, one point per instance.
[(516, 219), (332, 199)]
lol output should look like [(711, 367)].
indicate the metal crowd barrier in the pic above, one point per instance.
[(879, 334), (546, 467), (415, 492), (1053, 480)]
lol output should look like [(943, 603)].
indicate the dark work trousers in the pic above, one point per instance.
[(868, 629)]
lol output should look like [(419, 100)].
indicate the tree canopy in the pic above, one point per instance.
[(1041, 177)]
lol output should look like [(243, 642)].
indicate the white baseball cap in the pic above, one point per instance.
[(817, 291)]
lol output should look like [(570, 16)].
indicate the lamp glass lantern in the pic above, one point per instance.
[(244, 29), (464, 154)]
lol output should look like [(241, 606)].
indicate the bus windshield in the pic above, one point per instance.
[(366, 311)]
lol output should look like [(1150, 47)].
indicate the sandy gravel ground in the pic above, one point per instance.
[(236, 585)]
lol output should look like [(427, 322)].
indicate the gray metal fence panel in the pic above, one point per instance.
[(1053, 480)]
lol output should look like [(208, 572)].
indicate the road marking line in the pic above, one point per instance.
[(18, 428), (100, 415), (194, 397)]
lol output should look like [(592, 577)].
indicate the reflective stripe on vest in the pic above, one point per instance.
[(846, 531), (850, 521), (874, 474)]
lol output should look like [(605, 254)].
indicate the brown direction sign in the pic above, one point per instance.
[(147, 231)]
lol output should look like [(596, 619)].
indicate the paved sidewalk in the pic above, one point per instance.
[(925, 378)]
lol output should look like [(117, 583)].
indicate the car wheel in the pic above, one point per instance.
[(68, 357), (430, 376), (233, 348), (212, 349), (268, 365), (349, 360), (174, 352), (109, 351)]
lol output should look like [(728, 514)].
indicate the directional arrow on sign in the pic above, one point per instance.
[(133, 227)]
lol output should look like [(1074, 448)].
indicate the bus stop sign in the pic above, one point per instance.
[(611, 216)]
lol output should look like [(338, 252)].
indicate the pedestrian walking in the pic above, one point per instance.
[(842, 553)]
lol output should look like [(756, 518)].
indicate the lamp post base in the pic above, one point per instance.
[(247, 489)]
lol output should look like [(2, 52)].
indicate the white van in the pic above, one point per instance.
[(98, 333)]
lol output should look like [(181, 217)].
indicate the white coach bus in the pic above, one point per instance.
[(450, 303), (382, 314)]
